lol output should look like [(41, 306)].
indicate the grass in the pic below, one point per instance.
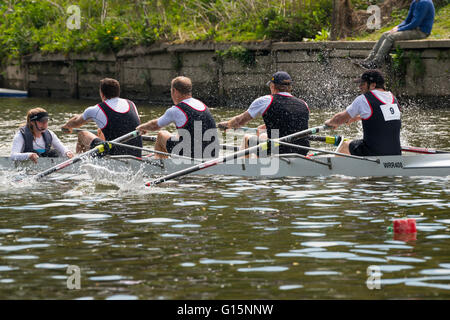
[(441, 27)]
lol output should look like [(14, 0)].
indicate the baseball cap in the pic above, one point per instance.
[(41, 116), (371, 76), (281, 77)]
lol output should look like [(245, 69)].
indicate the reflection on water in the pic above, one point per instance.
[(224, 237)]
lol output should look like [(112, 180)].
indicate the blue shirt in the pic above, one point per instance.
[(420, 15)]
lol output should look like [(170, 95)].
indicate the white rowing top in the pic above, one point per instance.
[(177, 116), (360, 106), (19, 144), (95, 113), (260, 105)]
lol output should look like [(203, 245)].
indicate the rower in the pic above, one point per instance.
[(380, 115), (35, 140), (114, 117), (196, 136), (280, 111)]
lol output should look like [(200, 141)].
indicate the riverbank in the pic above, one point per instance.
[(234, 74)]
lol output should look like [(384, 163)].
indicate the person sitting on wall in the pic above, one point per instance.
[(35, 140), (417, 25)]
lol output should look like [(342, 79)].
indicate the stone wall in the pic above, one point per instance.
[(322, 71)]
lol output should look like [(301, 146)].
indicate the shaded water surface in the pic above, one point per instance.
[(224, 237)]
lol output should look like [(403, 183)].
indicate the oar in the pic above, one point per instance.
[(334, 140), (423, 150), (153, 151), (242, 153), (76, 130), (100, 148)]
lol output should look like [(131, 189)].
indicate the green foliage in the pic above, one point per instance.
[(398, 65), (417, 65), (28, 26), (243, 55), (322, 35)]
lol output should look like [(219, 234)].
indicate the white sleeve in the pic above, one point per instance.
[(260, 105), (360, 107), (56, 143), (172, 114), (96, 114), (17, 148)]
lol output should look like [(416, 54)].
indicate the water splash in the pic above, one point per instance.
[(15, 180), (128, 182)]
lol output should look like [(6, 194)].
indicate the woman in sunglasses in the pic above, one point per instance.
[(35, 140)]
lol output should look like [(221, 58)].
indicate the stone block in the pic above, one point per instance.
[(190, 46), (285, 46), (162, 77), (340, 53), (351, 45), (234, 81), (296, 56), (14, 72), (137, 77), (262, 65), (430, 53), (50, 82), (359, 53), (439, 86), (156, 61), (344, 68), (86, 79), (198, 75), (198, 59), (444, 44)]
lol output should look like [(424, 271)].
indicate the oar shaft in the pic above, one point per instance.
[(422, 150), (153, 151), (242, 153), (144, 138), (330, 152), (99, 148)]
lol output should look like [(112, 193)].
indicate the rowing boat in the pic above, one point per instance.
[(13, 93), (291, 165)]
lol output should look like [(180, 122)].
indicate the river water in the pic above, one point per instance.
[(225, 237)]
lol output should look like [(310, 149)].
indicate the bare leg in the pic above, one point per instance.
[(160, 144), (246, 144), (85, 139), (344, 147)]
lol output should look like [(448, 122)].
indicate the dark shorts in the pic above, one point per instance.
[(359, 148), (172, 142), (96, 142)]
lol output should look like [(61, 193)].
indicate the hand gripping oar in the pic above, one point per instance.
[(98, 149), (242, 153)]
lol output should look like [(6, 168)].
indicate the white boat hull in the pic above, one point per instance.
[(13, 93), (406, 165)]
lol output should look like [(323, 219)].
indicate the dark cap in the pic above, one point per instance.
[(41, 116), (371, 76), (281, 77)]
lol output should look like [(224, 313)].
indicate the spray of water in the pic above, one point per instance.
[(128, 182)]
